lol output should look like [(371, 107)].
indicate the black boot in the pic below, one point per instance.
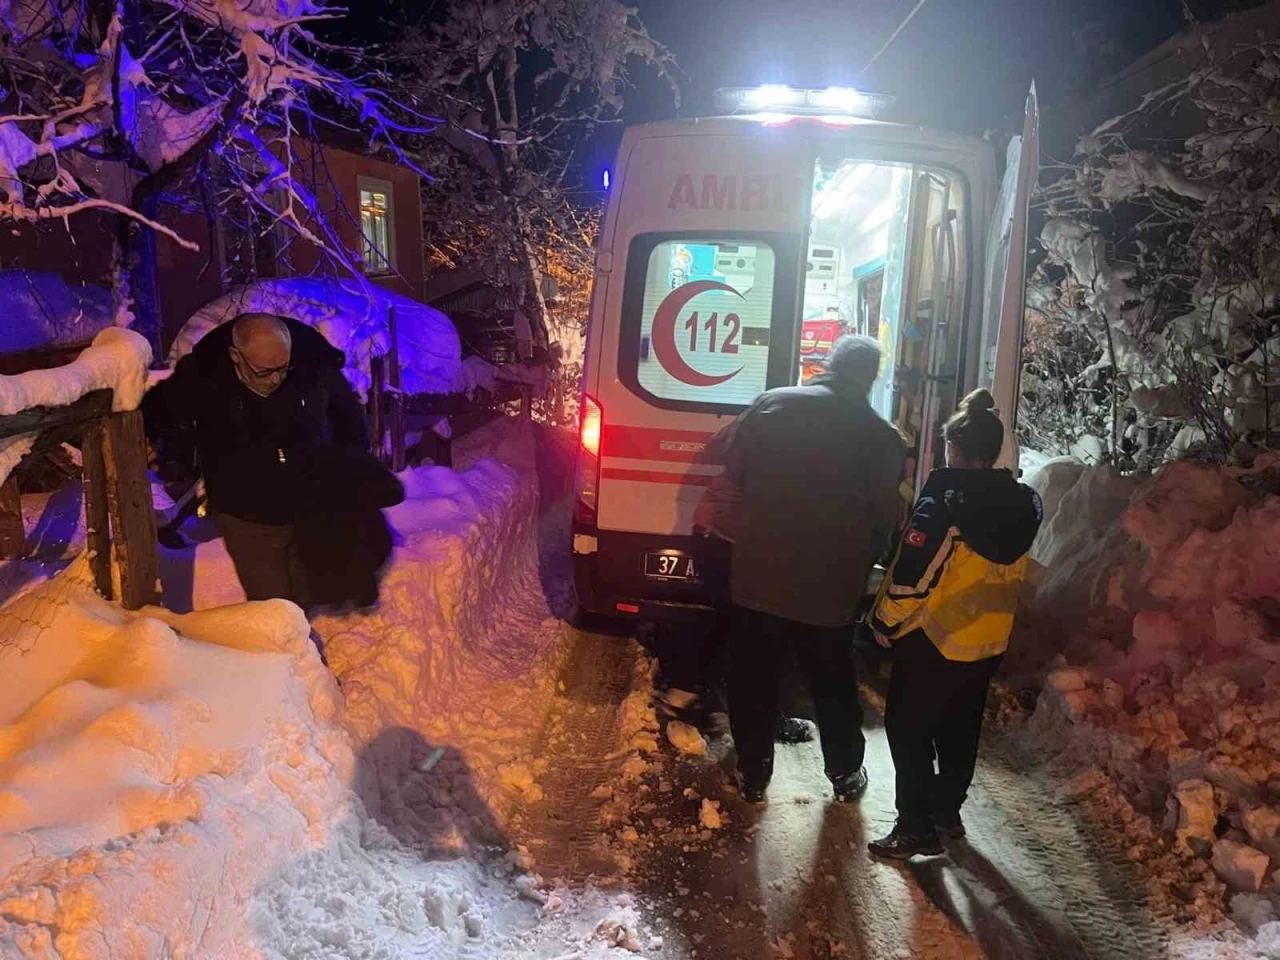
[(793, 730), (715, 711), (752, 785), (903, 845), (949, 827), (752, 791), (851, 786)]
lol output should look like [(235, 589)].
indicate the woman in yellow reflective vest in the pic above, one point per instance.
[(946, 610)]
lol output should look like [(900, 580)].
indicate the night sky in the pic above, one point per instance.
[(960, 64)]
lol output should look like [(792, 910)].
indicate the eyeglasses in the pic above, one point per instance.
[(262, 373)]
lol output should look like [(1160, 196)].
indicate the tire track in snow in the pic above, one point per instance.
[(1021, 813), (563, 831)]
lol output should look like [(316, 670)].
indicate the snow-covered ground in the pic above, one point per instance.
[(464, 647), (155, 770), (475, 779), (195, 785)]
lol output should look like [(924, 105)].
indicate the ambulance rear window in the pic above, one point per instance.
[(700, 320)]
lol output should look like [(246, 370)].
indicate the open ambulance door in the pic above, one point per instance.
[(926, 371), (1000, 359)]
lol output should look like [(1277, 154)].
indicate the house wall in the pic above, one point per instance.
[(337, 174), (81, 254), (188, 279)]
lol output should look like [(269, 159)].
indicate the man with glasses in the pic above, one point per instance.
[(281, 440)]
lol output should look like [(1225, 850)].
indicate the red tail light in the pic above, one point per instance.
[(592, 424), (590, 429)]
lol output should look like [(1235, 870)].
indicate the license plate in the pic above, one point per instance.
[(670, 566)]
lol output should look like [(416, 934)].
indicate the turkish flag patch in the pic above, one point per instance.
[(915, 538)]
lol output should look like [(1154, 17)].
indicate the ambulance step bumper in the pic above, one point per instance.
[(612, 581)]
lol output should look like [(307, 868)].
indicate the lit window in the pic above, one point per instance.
[(377, 234)]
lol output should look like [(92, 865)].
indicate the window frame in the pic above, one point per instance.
[(784, 341), (374, 185)]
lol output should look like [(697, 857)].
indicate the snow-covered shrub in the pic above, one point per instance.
[(507, 203), (1153, 322)]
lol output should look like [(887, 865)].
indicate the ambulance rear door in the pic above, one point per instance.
[(707, 243), (1000, 357)]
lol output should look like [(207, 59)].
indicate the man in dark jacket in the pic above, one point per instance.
[(818, 471), (281, 440)]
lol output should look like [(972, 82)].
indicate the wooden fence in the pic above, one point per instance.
[(390, 407), (117, 489), (117, 492)]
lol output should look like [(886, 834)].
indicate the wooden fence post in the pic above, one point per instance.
[(97, 515), (13, 535), (397, 397), (377, 407), (133, 519)]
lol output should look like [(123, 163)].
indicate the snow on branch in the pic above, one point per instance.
[(1139, 172), (1155, 319), (142, 93), (25, 214)]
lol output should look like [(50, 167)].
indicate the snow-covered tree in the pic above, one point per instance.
[(108, 104), (1155, 320), (518, 85)]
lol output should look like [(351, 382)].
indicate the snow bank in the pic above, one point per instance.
[(41, 310), (462, 647), (1161, 598), (155, 770), (181, 786), (353, 318)]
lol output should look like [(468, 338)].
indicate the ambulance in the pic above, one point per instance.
[(731, 253)]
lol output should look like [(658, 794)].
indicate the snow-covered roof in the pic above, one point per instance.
[(353, 317)]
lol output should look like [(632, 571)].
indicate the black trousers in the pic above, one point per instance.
[(758, 650), (934, 710), (715, 556), (267, 559)]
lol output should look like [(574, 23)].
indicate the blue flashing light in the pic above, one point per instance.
[(605, 179)]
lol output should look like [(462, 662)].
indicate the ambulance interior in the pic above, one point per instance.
[(885, 260)]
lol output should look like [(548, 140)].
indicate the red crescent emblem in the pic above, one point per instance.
[(664, 333)]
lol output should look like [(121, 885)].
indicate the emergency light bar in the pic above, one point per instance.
[(831, 101)]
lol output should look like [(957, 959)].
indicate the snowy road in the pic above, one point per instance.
[(794, 880)]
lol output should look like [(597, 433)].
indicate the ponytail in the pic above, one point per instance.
[(976, 428)]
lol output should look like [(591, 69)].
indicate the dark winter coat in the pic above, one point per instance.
[(264, 459), (961, 562), (297, 457), (818, 472), (717, 512)]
